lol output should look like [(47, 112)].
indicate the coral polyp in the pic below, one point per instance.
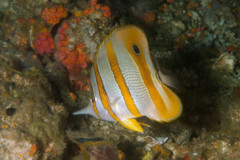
[(72, 56), (95, 7), (55, 14), (44, 43)]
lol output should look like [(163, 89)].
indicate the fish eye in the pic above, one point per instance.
[(136, 49)]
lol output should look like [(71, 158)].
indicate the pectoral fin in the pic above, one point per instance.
[(133, 124)]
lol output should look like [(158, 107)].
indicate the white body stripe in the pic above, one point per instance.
[(100, 108), (135, 84), (112, 89)]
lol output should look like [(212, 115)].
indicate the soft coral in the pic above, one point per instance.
[(75, 60), (44, 43), (55, 14)]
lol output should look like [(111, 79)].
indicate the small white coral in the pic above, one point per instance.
[(226, 62)]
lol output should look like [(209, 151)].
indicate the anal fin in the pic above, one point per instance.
[(144, 124), (133, 124)]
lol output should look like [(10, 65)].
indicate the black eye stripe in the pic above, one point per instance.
[(136, 49)]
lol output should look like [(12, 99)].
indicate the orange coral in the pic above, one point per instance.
[(97, 7), (32, 149), (149, 17), (50, 147), (192, 5), (106, 11), (4, 126), (169, 1), (55, 14), (89, 11), (78, 13), (163, 7), (93, 2), (44, 43), (189, 13), (72, 95), (31, 20), (75, 60)]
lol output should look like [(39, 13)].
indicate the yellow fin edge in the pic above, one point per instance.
[(133, 124)]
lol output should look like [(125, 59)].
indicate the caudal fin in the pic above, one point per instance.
[(87, 110)]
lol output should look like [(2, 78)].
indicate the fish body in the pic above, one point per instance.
[(125, 83)]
